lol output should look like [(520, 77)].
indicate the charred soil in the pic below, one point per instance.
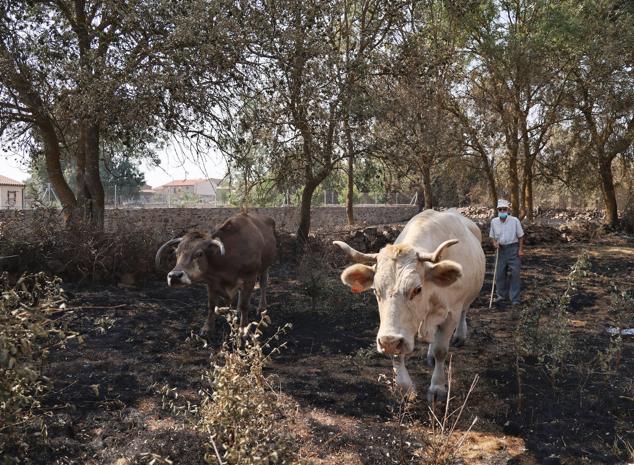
[(106, 406)]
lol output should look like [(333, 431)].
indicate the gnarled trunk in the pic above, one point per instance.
[(304, 211), (54, 171), (609, 193), (93, 178)]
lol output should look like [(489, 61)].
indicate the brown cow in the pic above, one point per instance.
[(227, 261)]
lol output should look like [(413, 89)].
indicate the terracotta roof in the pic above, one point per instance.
[(189, 182), (10, 182)]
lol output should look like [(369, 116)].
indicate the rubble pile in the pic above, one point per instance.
[(537, 233), (373, 238), (567, 215), (550, 226), (477, 213)]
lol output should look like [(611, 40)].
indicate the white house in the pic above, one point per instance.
[(11, 193), (205, 190)]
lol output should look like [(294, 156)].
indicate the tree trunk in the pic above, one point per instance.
[(350, 195), (81, 191), (54, 170), (529, 193), (609, 194), (304, 212), (350, 149), (514, 179), (429, 202), (527, 174), (93, 178), (493, 190), (522, 213)]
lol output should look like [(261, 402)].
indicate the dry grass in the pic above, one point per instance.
[(27, 333), (243, 414)]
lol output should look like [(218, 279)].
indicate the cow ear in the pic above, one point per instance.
[(359, 277), (443, 273)]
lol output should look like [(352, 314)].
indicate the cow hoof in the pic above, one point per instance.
[(436, 394), (457, 341), (431, 361)]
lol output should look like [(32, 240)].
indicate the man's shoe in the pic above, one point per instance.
[(516, 303), (499, 300)]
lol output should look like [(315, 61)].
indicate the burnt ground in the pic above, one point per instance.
[(106, 406)]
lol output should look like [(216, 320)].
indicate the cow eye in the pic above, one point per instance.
[(415, 292), (198, 254)]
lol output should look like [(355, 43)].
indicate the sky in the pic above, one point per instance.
[(174, 165)]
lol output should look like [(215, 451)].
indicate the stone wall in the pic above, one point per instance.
[(286, 218), (179, 219)]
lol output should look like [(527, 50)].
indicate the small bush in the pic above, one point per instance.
[(243, 416), (543, 332), (27, 332), (620, 314)]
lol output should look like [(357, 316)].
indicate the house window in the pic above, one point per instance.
[(11, 198)]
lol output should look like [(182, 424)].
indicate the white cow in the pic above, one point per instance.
[(424, 284)]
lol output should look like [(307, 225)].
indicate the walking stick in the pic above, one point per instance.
[(495, 270)]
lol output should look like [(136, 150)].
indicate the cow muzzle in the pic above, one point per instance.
[(393, 345), (178, 279)]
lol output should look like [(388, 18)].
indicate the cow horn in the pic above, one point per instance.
[(435, 256), (157, 259), (220, 245), (355, 255)]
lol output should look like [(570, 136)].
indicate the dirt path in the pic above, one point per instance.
[(106, 403)]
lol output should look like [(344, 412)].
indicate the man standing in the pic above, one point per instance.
[(508, 238)]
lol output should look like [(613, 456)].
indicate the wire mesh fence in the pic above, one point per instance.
[(131, 197)]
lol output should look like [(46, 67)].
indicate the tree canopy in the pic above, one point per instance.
[(460, 101)]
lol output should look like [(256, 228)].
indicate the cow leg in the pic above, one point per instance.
[(460, 335), (264, 278), (243, 301), (210, 323), (440, 347), (402, 376), (430, 356)]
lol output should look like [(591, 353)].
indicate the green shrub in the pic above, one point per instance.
[(27, 332), (543, 331)]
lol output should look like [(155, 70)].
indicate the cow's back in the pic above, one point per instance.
[(249, 240), (430, 228), (266, 226)]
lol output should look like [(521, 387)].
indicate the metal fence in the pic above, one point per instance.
[(126, 198)]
